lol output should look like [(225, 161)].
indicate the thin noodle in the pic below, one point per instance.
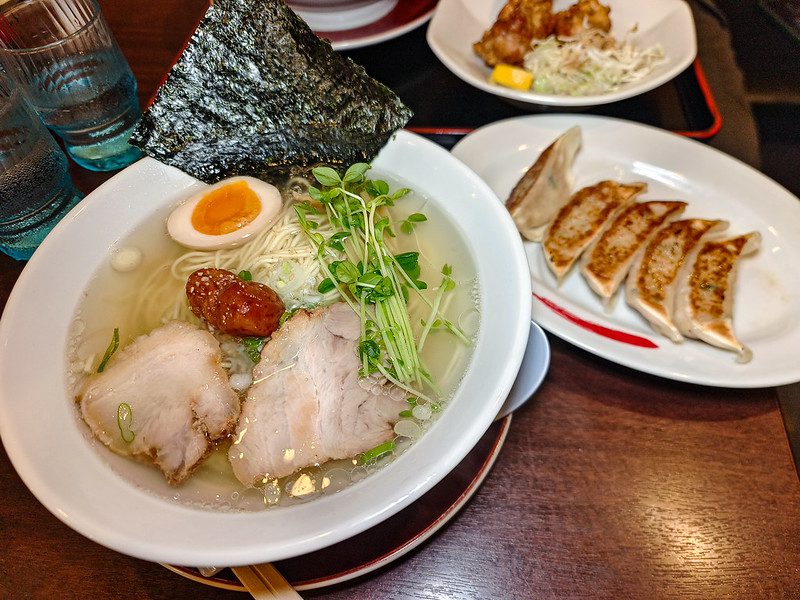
[(281, 257)]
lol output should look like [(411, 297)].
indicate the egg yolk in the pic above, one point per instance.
[(226, 209)]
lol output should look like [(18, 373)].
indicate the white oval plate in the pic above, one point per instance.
[(766, 314), (92, 491), (457, 24)]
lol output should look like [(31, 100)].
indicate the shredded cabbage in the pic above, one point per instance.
[(592, 62)]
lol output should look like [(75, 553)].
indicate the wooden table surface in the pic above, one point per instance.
[(611, 483)]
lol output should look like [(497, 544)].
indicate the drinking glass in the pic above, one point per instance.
[(35, 188), (65, 57)]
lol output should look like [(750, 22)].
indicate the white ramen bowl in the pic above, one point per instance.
[(74, 478)]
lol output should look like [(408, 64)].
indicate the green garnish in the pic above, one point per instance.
[(325, 286), (445, 286), (406, 414), (409, 262), (357, 263), (289, 313), (245, 276), (407, 226), (112, 347), (124, 422), (252, 346), (377, 452)]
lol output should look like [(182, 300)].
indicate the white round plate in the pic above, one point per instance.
[(531, 374), (403, 17), (92, 490), (766, 315), (457, 24), (341, 16)]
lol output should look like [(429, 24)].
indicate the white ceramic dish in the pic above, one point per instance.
[(383, 546), (340, 16), (74, 479), (347, 34), (457, 24), (716, 186), (531, 374)]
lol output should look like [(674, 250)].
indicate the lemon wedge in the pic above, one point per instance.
[(513, 77)]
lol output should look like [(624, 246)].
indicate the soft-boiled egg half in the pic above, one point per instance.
[(226, 214)]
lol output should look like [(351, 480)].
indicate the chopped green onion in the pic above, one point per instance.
[(377, 452), (252, 346), (112, 347), (124, 422), (245, 276)]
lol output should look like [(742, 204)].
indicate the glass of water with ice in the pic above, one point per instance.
[(65, 57), (35, 188)]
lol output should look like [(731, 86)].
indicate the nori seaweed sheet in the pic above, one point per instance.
[(257, 93)]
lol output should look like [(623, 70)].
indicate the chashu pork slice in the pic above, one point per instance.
[(706, 286), (307, 404), (607, 260), (164, 398), (653, 277), (582, 219), (545, 187)]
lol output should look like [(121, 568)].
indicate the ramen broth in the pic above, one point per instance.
[(111, 300)]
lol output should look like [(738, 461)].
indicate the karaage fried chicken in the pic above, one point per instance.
[(522, 21), (509, 38), (582, 15)]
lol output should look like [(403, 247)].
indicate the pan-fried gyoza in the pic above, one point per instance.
[(678, 274), (581, 220), (545, 187), (607, 261), (704, 298), (653, 277)]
